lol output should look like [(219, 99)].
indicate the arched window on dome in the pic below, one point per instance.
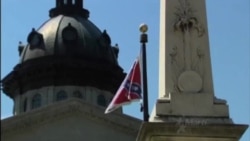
[(61, 95), (77, 94), (36, 101), (101, 100), (65, 2)]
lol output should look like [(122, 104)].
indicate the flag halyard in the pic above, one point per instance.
[(129, 91)]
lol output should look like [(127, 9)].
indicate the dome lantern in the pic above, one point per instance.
[(77, 3), (69, 7)]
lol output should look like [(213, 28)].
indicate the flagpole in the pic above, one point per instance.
[(144, 40)]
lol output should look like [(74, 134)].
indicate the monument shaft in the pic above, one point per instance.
[(184, 59)]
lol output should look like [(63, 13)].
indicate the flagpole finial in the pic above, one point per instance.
[(143, 28), (144, 37)]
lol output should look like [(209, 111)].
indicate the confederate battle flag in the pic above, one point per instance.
[(130, 89)]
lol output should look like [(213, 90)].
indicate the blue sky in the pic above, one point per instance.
[(229, 36)]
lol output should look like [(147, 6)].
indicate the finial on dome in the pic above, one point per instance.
[(20, 48), (116, 50)]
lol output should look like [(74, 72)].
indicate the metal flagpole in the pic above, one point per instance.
[(144, 40)]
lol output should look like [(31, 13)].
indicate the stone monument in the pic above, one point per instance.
[(187, 108)]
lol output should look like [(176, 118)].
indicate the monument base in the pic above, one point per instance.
[(158, 131), (198, 105)]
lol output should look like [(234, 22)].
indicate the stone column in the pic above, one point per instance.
[(51, 93), (17, 105)]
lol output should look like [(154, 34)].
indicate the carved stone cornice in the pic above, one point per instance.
[(69, 108)]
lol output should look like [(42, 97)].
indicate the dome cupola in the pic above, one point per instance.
[(69, 7)]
